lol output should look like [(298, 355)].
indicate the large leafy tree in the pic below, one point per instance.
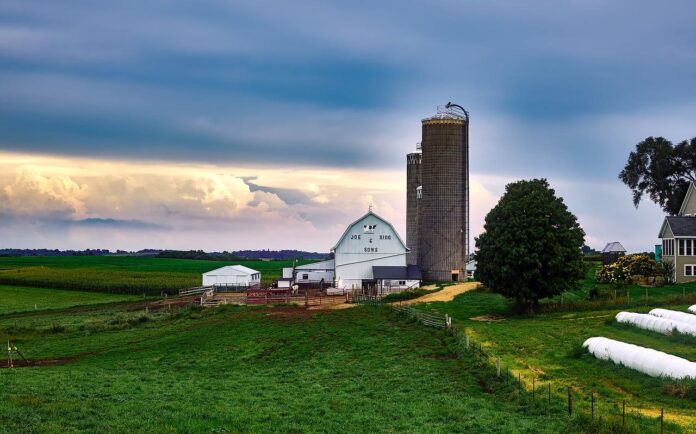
[(531, 245), (662, 171)]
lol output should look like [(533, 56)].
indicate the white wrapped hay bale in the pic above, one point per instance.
[(645, 360), (692, 309), (674, 315), (654, 323)]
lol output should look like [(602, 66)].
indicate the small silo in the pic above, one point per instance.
[(413, 189), (443, 209)]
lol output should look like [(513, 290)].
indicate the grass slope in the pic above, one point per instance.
[(20, 299), (545, 346), (233, 369), (119, 274)]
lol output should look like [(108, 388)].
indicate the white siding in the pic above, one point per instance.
[(313, 276)]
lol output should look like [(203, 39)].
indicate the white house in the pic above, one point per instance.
[(369, 242), (232, 275)]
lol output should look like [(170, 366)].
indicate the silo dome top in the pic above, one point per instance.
[(449, 111)]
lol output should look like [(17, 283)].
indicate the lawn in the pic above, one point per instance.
[(546, 347), (242, 369), (20, 299), (121, 274)]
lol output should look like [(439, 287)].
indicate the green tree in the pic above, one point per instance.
[(531, 245), (661, 171)]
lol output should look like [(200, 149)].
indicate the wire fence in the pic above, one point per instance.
[(531, 394)]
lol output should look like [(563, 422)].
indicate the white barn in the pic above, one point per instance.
[(232, 275), (369, 242)]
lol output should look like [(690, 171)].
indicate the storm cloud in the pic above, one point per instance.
[(561, 90)]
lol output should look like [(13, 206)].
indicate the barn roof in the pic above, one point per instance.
[(323, 265), (614, 247), (409, 272), (231, 270), (358, 220)]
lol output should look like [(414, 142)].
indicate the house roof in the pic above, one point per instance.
[(409, 272), (687, 198), (356, 222), (614, 247), (682, 226), (232, 270)]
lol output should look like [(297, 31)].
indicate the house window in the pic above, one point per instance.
[(668, 247), (419, 192), (681, 247), (689, 247), (305, 276), (690, 270), (402, 283)]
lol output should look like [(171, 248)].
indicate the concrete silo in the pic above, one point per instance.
[(413, 190), (441, 209)]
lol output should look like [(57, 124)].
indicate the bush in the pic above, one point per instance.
[(405, 295), (639, 269)]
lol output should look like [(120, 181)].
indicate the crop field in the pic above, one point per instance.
[(547, 347), (240, 369), (120, 274), (21, 299)]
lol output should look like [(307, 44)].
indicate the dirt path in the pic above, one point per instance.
[(446, 294)]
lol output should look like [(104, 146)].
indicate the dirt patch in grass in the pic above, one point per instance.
[(37, 362), (291, 312), (488, 318)]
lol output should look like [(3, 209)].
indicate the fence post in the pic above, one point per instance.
[(467, 342), (662, 420), (592, 405), (9, 355), (533, 388), (570, 401)]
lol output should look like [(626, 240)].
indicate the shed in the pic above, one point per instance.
[(612, 252), (396, 278), (237, 276)]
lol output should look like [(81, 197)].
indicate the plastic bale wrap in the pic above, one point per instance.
[(656, 324), (675, 315), (692, 308), (645, 360)]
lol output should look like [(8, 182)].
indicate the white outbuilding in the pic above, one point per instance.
[(369, 242), (237, 276)]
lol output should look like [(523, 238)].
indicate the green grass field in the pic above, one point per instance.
[(545, 346), (120, 274), (237, 369), (21, 299)]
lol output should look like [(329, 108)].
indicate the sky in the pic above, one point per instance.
[(225, 125)]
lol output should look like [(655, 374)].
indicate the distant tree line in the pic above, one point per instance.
[(240, 255), (53, 252)]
